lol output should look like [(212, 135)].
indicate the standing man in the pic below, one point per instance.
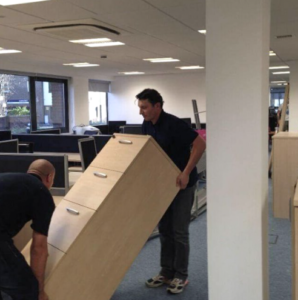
[(25, 197), (185, 147)]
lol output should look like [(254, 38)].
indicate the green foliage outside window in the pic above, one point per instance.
[(19, 111)]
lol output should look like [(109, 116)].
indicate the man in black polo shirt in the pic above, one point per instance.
[(185, 147), (25, 197)]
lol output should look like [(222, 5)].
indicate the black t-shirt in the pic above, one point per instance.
[(23, 197), (175, 137)]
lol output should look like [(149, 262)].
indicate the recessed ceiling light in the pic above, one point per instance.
[(161, 60), (281, 81), (203, 31), (89, 65), (81, 65), (272, 53), (98, 40), (8, 51), (283, 72), (190, 67), (279, 67), (14, 2), (104, 44), (131, 73)]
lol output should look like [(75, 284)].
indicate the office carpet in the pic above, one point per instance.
[(147, 264)]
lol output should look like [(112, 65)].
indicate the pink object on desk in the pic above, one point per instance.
[(202, 133)]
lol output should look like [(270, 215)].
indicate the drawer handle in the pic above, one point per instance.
[(72, 211), (127, 142), (101, 175)]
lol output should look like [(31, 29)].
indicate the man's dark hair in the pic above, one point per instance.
[(151, 95)]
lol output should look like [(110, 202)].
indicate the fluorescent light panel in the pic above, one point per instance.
[(283, 72), (104, 44), (81, 65), (280, 81), (190, 67), (8, 51), (15, 2), (131, 73), (203, 31), (161, 60), (272, 53), (279, 67), (89, 65), (86, 41)]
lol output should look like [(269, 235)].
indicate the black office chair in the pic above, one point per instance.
[(87, 151)]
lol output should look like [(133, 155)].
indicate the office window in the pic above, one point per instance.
[(277, 96), (31, 103), (98, 99), (50, 104), (15, 111)]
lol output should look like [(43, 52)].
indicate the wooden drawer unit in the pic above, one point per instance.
[(126, 209), (68, 221), (97, 182), (285, 171), (119, 152), (294, 221)]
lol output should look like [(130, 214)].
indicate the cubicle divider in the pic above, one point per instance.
[(60, 143), (9, 146), (19, 163)]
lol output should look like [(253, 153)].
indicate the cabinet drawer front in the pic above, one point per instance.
[(67, 222), (54, 257), (92, 188), (119, 152)]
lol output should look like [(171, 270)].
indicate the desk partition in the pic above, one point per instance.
[(52, 142), (19, 163)]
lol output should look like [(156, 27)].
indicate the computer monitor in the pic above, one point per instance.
[(187, 121), (114, 126), (47, 131), (88, 151), (5, 135), (132, 129), (9, 146)]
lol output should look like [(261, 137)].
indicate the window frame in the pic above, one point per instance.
[(32, 91)]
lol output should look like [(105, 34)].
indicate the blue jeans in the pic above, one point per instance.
[(174, 235), (16, 278)]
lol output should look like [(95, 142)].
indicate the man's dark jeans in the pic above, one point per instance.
[(174, 235), (16, 277)]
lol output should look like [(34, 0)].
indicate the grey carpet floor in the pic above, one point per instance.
[(147, 264)]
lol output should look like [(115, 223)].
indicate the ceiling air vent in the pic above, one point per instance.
[(285, 36), (78, 29)]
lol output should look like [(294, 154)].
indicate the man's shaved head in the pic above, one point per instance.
[(44, 169)]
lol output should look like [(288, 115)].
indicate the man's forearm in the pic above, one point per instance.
[(38, 262), (197, 151)]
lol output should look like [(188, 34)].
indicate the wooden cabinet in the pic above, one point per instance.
[(294, 221), (104, 220), (285, 171)]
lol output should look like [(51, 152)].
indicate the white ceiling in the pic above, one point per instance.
[(149, 28)]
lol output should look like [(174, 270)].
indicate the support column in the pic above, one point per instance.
[(293, 102), (79, 114), (237, 49)]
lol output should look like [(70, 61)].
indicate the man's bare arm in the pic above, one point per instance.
[(198, 148), (39, 255)]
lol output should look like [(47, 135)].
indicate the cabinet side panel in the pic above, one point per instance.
[(285, 170)]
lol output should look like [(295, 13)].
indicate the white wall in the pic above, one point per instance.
[(177, 92)]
